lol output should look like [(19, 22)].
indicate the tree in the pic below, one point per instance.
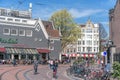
[(116, 70), (64, 22)]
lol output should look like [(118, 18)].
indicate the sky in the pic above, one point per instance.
[(81, 10)]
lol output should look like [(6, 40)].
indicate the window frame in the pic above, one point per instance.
[(23, 32), (27, 34), (16, 32), (8, 31)]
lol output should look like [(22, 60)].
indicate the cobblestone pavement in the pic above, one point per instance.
[(45, 73), (25, 72)]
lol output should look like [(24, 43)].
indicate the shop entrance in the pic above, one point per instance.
[(16, 57), (1, 56), (23, 56), (44, 56), (30, 57)]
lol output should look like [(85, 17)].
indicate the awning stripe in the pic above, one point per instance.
[(21, 50), (79, 55)]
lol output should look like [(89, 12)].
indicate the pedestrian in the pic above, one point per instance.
[(35, 66), (51, 64), (55, 66), (14, 62)]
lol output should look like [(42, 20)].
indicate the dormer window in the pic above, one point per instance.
[(51, 41), (29, 33), (37, 28)]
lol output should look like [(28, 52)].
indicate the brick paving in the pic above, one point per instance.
[(8, 72)]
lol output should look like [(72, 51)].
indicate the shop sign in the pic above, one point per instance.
[(9, 41)]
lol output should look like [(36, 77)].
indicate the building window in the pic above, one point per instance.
[(89, 42), (71, 50), (51, 48), (2, 18), (79, 42), (51, 41), (79, 48), (14, 32), (89, 36), (83, 42), (6, 31), (83, 49), (9, 19), (89, 31), (21, 32), (74, 50), (67, 50), (37, 28), (17, 20), (24, 21), (29, 33)]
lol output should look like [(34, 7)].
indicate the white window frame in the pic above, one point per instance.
[(51, 41), (24, 21), (6, 33), (30, 34), (51, 48), (23, 32), (16, 32)]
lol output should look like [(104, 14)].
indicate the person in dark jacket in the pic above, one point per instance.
[(55, 66), (14, 62), (35, 66)]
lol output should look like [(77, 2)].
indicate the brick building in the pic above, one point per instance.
[(114, 22)]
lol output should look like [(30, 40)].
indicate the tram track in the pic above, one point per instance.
[(15, 71), (1, 75)]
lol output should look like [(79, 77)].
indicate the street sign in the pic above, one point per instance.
[(104, 53)]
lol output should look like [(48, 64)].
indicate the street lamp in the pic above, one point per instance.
[(109, 45), (109, 59), (48, 48)]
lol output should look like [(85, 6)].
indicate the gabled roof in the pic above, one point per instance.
[(82, 25), (50, 29)]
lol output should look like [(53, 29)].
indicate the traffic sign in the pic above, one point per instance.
[(104, 53)]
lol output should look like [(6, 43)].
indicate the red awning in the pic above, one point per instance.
[(2, 49), (43, 50)]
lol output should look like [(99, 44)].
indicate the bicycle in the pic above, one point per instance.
[(54, 74)]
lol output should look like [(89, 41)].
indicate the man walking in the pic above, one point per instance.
[(35, 66)]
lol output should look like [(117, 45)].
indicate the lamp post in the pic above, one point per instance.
[(48, 48), (109, 45)]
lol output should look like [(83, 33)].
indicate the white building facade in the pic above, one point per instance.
[(88, 41)]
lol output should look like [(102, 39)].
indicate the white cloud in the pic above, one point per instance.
[(78, 14)]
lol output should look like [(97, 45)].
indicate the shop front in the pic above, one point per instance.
[(44, 53), (21, 53), (2, 53)]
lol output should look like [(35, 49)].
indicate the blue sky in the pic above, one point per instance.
[(81, 10)]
